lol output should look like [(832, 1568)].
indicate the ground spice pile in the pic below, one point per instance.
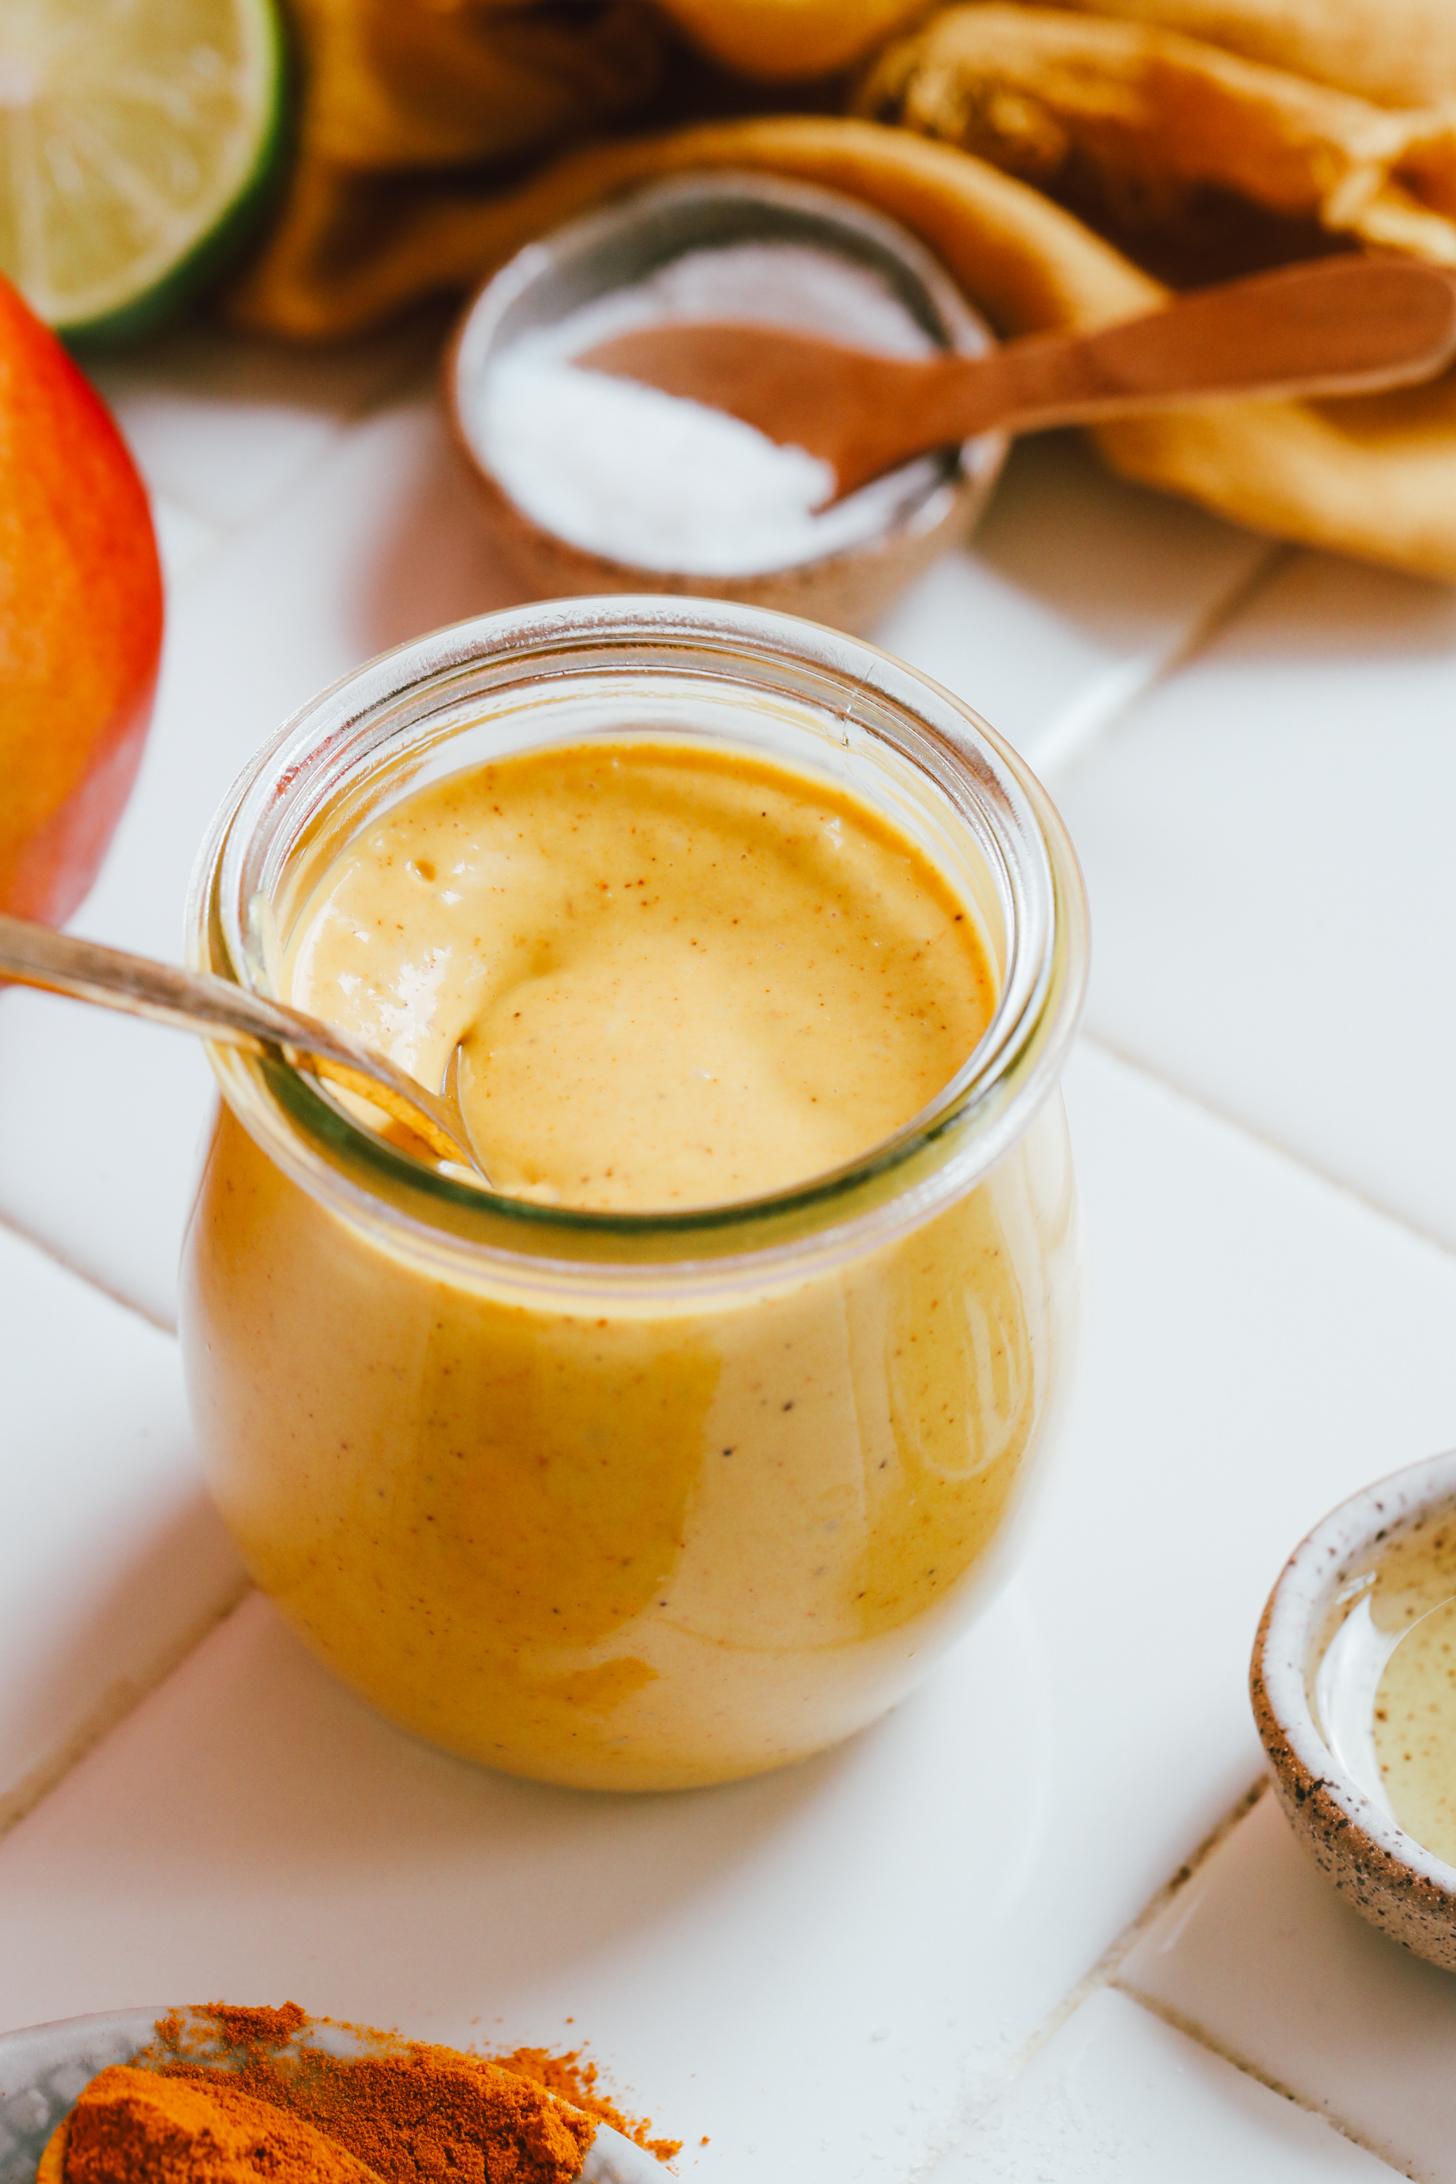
[(131, 2123), (398, 2112), (575, 2078)]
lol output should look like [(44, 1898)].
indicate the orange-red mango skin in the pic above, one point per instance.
[(80, 621)]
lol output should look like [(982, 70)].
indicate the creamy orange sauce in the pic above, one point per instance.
[(676, 975), (612, 1537)]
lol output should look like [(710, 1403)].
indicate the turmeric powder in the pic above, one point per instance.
[(574, 2077), (231, 2095), (131, 2123)]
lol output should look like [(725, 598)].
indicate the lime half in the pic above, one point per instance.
[(138, 139)]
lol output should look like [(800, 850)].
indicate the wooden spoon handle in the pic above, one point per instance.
[(1338, 325)]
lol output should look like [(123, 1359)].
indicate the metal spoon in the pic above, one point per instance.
[(36, 955), (1339, 325)]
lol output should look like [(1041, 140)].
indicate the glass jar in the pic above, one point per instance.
[(635, 1501)]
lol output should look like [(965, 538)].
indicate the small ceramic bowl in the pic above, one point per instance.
[(1335, 1808), (639, 234), (44, 2067)]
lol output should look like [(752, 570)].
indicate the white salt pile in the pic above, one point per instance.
[(661, 483)]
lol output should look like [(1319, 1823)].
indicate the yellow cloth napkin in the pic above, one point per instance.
[(1066, 164)]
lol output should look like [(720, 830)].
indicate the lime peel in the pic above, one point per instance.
[(139, 147)]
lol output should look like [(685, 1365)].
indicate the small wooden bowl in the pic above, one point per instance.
[(630, 238), (1389, 1878)]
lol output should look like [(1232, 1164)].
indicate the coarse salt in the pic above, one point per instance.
[(665, 484)]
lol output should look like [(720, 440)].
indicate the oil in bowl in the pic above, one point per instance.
[(1353, 1685), (1385, 1686)]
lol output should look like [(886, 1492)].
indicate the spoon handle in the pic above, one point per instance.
[(1338, 325), (214, 1008)]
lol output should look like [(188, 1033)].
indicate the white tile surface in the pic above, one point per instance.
[(899, 1917), (1268, 846), (223, 424), (1074, 592), (1254, 1347), (182, 540), (1267, 838), (1116, 2097), (110, 1561), (723, 1951), (1273, 891), (1260, 1955)]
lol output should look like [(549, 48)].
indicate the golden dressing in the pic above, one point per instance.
[(677, 976), (603, 1535)]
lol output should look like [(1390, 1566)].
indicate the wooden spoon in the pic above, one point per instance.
[(1341, 325)]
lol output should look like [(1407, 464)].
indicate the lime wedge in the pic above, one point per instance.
[(137, 142)]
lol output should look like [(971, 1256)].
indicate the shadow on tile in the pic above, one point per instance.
[(435, 561), (1322, 609), (564, 1874)]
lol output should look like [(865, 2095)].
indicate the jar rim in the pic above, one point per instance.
[(934, 1157)]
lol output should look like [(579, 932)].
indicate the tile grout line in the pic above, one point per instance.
[(112, 1710), (1191, 2030), (34, 1241), (1105, 1976), (120, 1702), (1100, 1976), (1088, 728), (1276, 1147), (1103, 1973)]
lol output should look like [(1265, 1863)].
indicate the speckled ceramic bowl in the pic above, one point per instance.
[(1389, 1878), (633, 236), (44, 2067)]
